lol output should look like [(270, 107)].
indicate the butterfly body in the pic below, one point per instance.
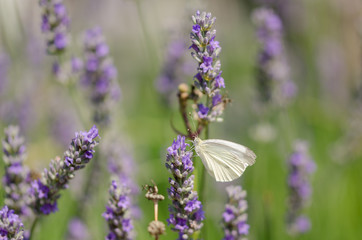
[(224, 160)]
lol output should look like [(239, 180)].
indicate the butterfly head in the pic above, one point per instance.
[(197, 141)]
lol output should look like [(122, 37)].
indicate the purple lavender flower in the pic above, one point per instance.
[(77, 230), (99, 75), (301, 166), (273, 71), (44, 192), (206, 52), (16, 175), (234, 218), (55, 24), (120, 226), (186, 212), (11, 226)]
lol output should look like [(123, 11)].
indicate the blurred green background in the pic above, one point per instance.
[(324, 49)]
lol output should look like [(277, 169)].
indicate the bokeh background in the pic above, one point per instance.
[(324, 47)]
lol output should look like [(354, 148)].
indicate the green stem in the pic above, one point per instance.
[(147, 39), (91, 183), (73, 94), (287, 128), (32, 229)]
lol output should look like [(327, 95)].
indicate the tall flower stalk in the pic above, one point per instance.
[(99, 75), (45, 192), (186, 214), (235, 218), (301, 166), (274, 80), (117, 214), (205, 93), (16, 179), (174, 70)]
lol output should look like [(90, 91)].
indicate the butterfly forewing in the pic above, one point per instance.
[(224, 160)]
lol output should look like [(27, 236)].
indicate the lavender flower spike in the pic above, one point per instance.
[(44, 192), (120, 226), (186, 212), (16, 175), (235, 217), (274, 79), (99, 75), (301, 166), (208, 78), (55, 24), (11, 226)]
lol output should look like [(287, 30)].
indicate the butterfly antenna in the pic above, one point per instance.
[(174, 128)]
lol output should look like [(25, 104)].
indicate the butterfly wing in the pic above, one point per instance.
[(224, 160)]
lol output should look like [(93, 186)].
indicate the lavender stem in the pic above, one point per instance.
[(32, 229)]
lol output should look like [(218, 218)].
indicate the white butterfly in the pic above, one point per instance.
[(224, 160)]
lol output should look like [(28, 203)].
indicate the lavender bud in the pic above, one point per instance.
[(44, 192), (186, 212), (16, 175)]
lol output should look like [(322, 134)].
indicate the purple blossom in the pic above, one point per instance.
[(234, 217), (301, 166), (99, 75), (11, 226), (186, 214), (196, 28), (203, 111), (217, 99), (16, 175), (120, 226), (44, 192), (206, 65), (55, 24)]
